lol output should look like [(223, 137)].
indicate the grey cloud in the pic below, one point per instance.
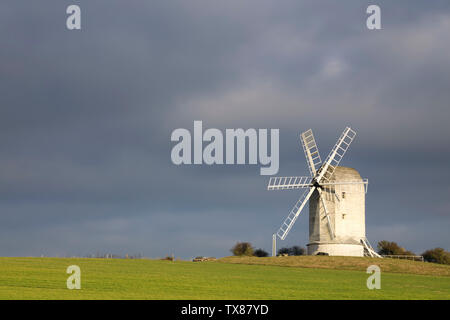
[(86, 119)]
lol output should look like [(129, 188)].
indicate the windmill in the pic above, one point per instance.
[(336, 198)]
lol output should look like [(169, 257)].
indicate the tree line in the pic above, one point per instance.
[(436, 255), (246, 249)]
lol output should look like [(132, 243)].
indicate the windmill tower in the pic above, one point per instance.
[(336, 201)]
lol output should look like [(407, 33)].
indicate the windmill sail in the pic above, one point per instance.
[(327, 215), (336, 154), (295, 212), (281, 183), (311, 152)]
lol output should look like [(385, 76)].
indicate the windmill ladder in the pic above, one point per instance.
[(369, 252)]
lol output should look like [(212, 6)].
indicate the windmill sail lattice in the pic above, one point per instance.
[(311, 151), (294, 213), (281, 183), (336, 155)]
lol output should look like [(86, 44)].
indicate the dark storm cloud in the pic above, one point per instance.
[(86, 119)]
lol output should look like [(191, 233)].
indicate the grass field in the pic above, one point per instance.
[(347, 263), (45, 278)]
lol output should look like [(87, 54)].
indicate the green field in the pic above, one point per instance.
[(45, 278)]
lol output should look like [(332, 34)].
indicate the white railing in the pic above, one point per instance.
[(401, 256)]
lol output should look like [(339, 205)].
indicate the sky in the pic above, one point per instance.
[(86, 118)]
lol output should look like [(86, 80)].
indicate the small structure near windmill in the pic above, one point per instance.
[(336, 201)]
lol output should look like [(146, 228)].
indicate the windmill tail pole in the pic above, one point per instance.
[(274, 245)]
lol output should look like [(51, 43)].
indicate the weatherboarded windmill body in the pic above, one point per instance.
[(336, 201)]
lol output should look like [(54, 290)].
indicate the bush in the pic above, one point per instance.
[(260, 253), (292, 251), (437, 255), (283, 251), (392, 248), (169, 258), (242, 249), (297, 251)]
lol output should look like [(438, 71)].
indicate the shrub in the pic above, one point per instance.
[(392, 248), (242, 249), (437, 255), (169, 258), (283, 251), (297, 251), (260, 253), (292, 251)]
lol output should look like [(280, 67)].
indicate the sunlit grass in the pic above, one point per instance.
[(45, 278)]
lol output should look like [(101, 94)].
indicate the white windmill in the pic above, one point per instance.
[(336, 201)]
